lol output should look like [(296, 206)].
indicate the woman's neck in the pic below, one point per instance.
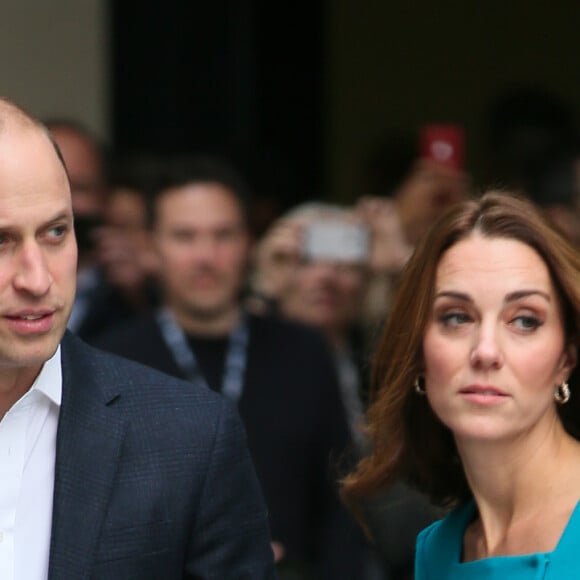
[(513, 484)]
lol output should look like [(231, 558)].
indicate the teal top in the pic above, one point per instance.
[(439, 548)]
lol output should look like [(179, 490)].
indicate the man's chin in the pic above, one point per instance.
[(208, 312), (208, 304), (25, 352)]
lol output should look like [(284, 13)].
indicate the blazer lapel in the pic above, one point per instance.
[(89, 439)]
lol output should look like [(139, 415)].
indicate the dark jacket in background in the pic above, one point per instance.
[(296, 430)]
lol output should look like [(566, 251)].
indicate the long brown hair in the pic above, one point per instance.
[(408, 441)]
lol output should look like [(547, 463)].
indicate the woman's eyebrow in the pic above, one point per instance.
[(451, 294), (512, 296)]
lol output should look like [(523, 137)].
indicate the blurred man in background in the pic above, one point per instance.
[(280, 374), (109, 274)]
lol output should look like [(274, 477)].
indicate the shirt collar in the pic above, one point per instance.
[(49, 380)]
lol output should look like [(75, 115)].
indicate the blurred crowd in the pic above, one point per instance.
[(174, 273)]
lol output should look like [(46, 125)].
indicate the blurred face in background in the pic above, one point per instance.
[(88, 192), (326, 294), (202, 245), (84, 167), (127, 212), (327, 290)]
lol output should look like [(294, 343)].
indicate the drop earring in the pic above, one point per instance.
[(562, 393), (419, 385)]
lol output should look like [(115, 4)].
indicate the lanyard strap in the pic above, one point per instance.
[(235, 363)]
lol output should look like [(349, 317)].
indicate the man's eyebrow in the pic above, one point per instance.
[(59, 216), (64, 214)]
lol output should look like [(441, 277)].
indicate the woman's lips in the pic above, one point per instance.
[(483, 394)]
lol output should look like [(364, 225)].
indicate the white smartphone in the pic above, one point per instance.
[(336, 240)]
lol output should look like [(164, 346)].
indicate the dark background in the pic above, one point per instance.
[(239, 77), (300, 92)]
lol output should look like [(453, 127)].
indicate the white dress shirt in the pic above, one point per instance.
[(27, 458)]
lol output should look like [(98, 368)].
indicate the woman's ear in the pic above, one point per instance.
[(569, 360)]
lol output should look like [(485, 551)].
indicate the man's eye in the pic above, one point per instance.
[(57, 232), (226, 235), (182, 236)]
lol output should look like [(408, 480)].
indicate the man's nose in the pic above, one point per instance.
[(205, 248), (32, 273)]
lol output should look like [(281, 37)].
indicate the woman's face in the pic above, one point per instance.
[(327, 294), (494, 348)]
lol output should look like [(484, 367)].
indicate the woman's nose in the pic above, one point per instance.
[(486, 352)]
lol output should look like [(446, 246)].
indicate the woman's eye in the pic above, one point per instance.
[(454, 319), (526, 322)]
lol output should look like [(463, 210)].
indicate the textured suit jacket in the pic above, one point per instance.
[(153, 478)]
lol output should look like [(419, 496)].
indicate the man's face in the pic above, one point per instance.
[(202, 244), (38, 254)]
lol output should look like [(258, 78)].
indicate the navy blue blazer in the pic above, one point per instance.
[(153, 478)]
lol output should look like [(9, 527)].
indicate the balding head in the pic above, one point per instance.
[(13, 117), (11, 113)]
